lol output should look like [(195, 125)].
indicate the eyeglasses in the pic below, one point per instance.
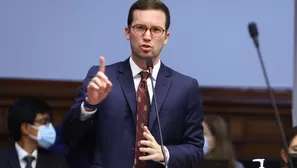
[(43, 121), (155, 31)]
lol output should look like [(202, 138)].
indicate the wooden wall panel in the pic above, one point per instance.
[(248, 111)]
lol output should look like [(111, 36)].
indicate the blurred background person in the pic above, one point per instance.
[(291, 138), (217, 144), (33, 133)]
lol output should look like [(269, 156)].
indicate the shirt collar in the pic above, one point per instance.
[(136, 69), (22, 153)]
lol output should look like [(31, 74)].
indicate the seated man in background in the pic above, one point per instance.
[(29, 124), (291, 138)]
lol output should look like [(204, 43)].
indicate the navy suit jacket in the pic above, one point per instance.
[(113, 126), (45, 159)]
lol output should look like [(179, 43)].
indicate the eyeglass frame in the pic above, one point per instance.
[(146, 29), (43, 121)]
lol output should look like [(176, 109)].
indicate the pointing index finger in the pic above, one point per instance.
[(102, 65)]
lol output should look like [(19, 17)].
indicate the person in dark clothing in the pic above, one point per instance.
[(33, 133)]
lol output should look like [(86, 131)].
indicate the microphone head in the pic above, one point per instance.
[(149, 64), (253, 30)]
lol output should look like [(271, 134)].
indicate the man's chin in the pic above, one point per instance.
[(145, 56)]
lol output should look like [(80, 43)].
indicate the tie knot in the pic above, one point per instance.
[(144, 75), (29, 159)]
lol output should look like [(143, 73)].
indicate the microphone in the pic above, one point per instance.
[(150, 66), (252, 27), (254, 33)]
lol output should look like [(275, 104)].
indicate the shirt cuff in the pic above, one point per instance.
[(84, 114), (167, 155)]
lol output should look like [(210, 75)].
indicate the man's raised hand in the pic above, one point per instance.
[(99, 87)]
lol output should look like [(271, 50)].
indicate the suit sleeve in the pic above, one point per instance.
[(74, 127), (61, 161), (190, 151), (3, 158)]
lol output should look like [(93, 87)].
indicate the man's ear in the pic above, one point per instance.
[(284, 156), (166, 37), (24, 129), (127, 33)]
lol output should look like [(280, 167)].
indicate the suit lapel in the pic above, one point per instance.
[(163, 84), (126, 81), (13, 158)]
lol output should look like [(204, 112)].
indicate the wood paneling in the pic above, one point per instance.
[(248, 111), (251, 119)]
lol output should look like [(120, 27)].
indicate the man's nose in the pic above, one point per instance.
[(147, 35)]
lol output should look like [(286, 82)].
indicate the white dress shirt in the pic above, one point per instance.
[(22, 153), (136, 77)]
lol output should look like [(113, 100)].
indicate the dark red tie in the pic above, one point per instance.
[(143, 106)]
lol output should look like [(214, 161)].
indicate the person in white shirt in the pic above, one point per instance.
[(29, 124), (118, 108)]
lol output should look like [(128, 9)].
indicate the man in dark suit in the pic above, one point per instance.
[(29, 124), (116, 100)]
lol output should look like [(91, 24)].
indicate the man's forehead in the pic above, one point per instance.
[(150, 15), (42, 115), (149, 12)]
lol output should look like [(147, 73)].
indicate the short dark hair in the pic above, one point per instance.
[(24, 110), (146, 5)]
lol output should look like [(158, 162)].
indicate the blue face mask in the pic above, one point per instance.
[(46, 135), (205, 146)]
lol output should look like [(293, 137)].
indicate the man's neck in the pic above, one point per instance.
[(28, 145), (142, 63)]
